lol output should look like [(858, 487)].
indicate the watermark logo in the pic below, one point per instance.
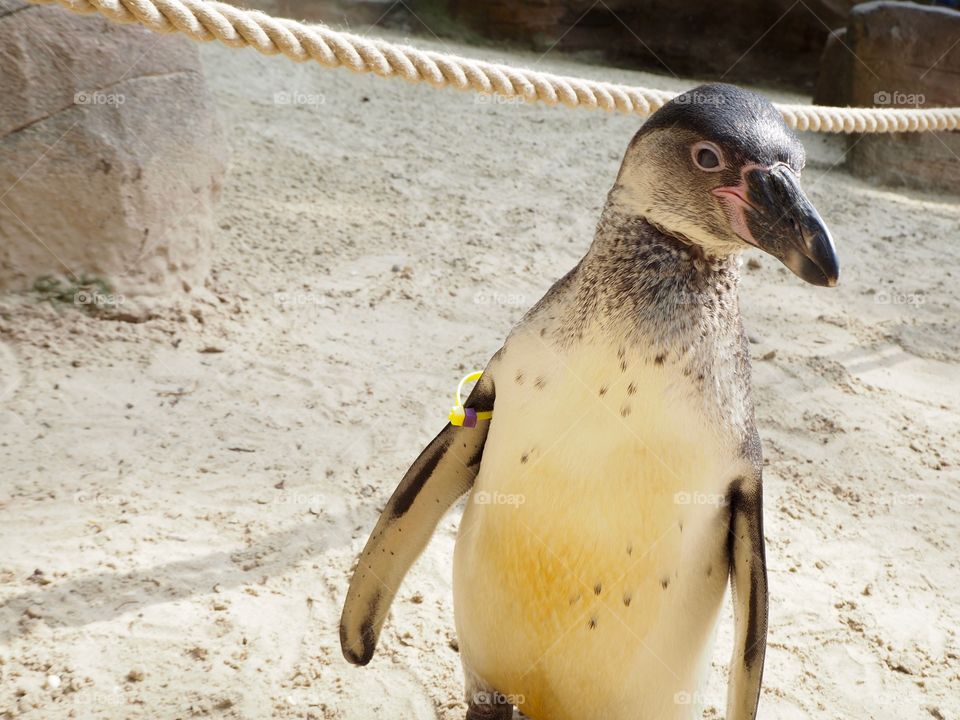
[(691, 698), (294, 299), (492, 697), (498, 99), (493, 298), (299, 98), (700, 498), (896, 298), (698, 97), (99, 498), (99, 699), (92, 297), (898, 99), (483, 497), (907, 499), (293, 498), (694, 298), (99, 98)]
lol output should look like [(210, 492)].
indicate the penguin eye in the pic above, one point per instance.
[(707, 156)]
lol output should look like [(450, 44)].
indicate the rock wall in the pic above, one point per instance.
[(898, 54), (111, 158), (755, 41)]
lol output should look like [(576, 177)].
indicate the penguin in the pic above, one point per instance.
[(616, 490)]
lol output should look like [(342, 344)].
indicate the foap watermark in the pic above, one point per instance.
[(98, 97), (299, 98), (495, 298), (898, 298), (497, 99), (698, 97), (97, 298), (492, 697), (98, 699), (293, 498), (692, 698), (294, 299), (304, 698), (700, 498), (693, 298), (895, 98), (483, 497), (907, 499), (85, 497)]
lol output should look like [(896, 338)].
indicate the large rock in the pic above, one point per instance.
[(755, 41), (926, 161), (899, 54), (834, 81), (904, 52), (111, 158)]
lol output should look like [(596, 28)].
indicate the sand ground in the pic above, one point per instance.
[(182, 497)]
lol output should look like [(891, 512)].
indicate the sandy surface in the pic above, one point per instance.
[(182, 498)]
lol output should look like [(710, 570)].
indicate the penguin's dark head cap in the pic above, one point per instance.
[(718, 167)]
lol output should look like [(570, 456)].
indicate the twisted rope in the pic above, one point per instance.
[(206, 20)]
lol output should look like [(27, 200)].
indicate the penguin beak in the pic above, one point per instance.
[(770, 211)]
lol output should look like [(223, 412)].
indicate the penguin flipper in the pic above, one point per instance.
[(748, 580), (443, 472)]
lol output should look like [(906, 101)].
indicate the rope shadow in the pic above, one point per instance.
[(104, 596)]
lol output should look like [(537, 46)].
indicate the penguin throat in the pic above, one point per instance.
[(628, 238), (650, 282), (696, 251)]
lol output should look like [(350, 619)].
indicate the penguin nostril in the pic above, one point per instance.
[(795, 225)]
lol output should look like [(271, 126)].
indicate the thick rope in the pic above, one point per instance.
[(206, 20)]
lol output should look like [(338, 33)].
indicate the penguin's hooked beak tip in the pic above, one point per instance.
[(819, 265), (770, 211)]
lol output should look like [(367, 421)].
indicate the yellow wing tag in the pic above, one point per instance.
[(467, 417)]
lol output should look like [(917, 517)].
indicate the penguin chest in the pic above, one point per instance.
[(592, 556)]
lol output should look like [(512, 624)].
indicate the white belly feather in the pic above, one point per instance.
[(591, 560)]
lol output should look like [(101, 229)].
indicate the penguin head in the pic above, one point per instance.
[(718, 167)]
